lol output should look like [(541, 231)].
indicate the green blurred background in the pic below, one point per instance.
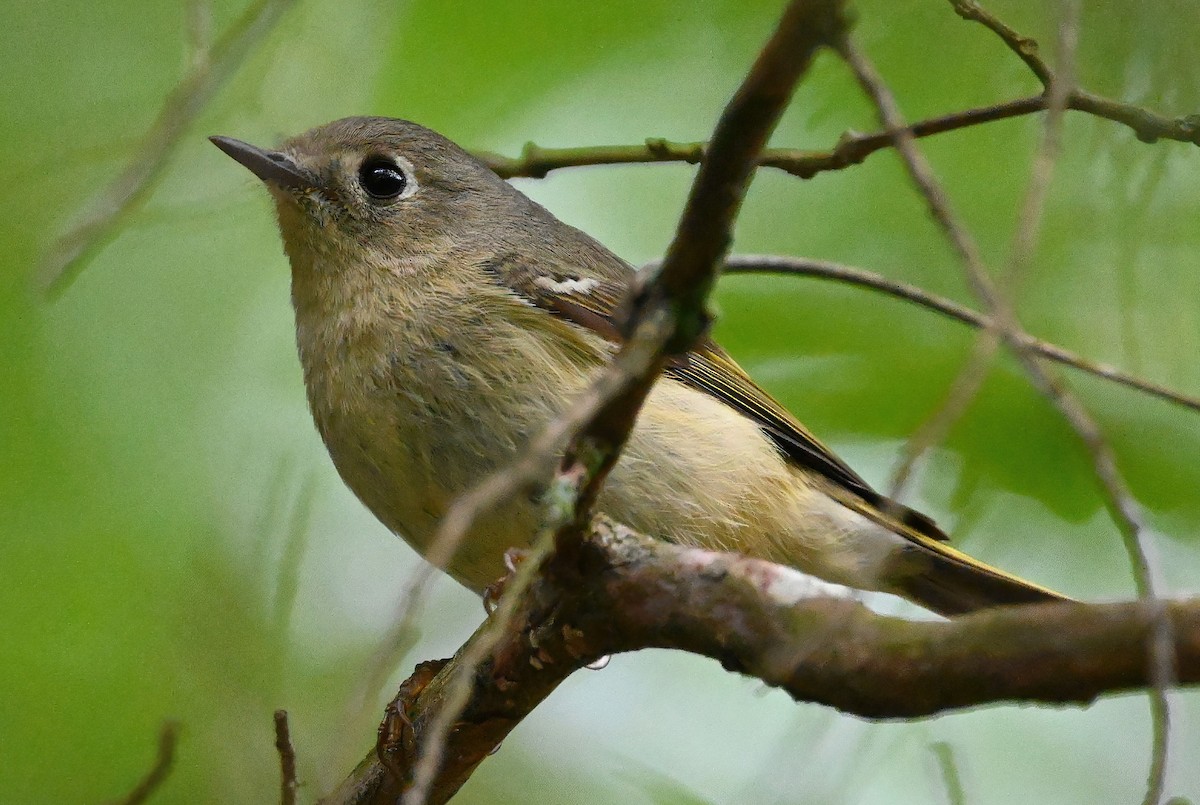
[(175, 544)]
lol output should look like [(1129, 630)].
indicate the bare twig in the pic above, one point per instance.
[(666, 314), (705, 228), (1033, 208), (522, 476), (636, 592), (963, 390), (287, 759), (103, 219), (1148, 126), (1023, 46), (1136, 216), (535, 161), (1120, 501), (965, 387), (943, 753), (168, 740), (1160, 708), (852, 275)]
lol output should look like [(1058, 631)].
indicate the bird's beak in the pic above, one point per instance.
[(272, 167)]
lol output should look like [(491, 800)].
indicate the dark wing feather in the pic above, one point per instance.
[(590, 303)]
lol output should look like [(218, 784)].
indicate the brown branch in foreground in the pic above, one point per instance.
[(107, 213), (523, 476), (640, 357), (630, 592), (287, 759), (705, 229), (168, 740), (665, 314), (852, 275)]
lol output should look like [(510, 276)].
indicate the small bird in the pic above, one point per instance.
[(443, 318)]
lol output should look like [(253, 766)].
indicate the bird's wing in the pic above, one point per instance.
[(591, 302)]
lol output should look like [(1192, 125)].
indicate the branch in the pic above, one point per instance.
[(944, 755), (852, 275), (71, 253), (852, 147), (640, 358), (664, 314), (1146, 125), (1118, 497), (1122, 505), (536, 162), (630, 592), (965, 386), (168, 740), (287, 759), (706, 226), (421, 752)]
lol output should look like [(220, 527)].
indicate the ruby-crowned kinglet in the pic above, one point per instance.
[(443, 318)]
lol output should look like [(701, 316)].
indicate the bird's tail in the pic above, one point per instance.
[(949, 582)]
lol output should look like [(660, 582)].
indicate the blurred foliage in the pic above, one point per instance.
[(174, 542)]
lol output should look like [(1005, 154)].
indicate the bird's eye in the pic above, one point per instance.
[(382, 178)]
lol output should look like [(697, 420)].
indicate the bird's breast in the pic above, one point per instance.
[(417, 403)]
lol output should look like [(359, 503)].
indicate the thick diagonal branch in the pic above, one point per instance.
[(666, 310)]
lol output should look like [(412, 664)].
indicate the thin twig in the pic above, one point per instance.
[(287, 759), (1136, 216), (522, 476), (1126, 512), (1162, 653), (399, 639), (1023, 46), (1033, 208), (852, 148), (852, 275), (103, 218), (943, 753), (1148, 126), (965, 387), (1121, 502), (168, 740), (932, 431), (535, 161)]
